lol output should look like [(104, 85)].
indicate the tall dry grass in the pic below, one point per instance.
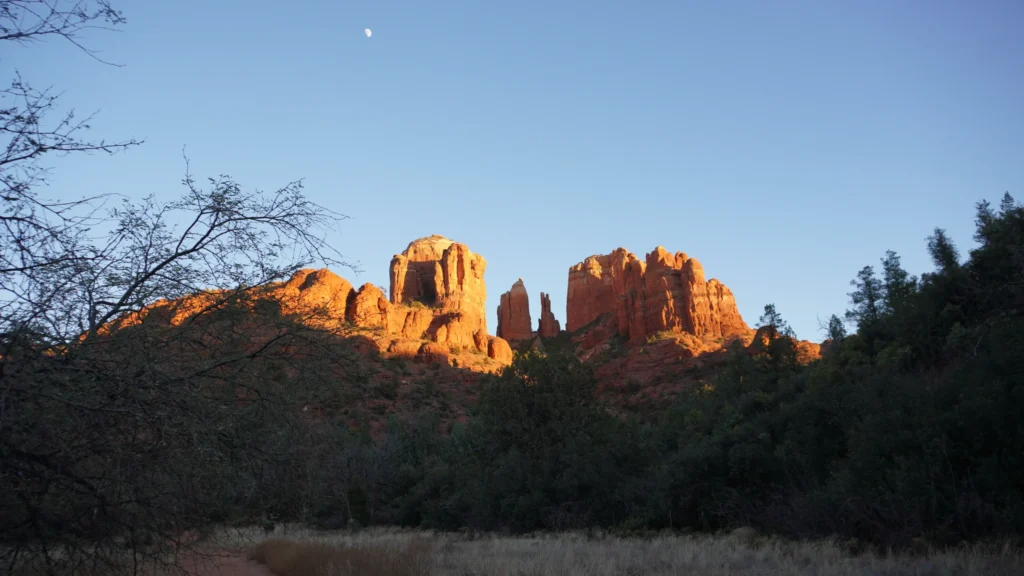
[(390, 552), (291, 558)]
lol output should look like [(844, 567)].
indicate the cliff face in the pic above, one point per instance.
[(664, 292), (548, 326), (437, 304), (416, 272), (514, 323), (437, 288), (676, 322), (437, 272)]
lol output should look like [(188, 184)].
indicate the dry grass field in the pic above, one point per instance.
[(400, 553), (294, 551)]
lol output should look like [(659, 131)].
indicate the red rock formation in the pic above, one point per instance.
[(437, 293), (806, 351), (589, 292), (319, 297), (454, 323), (415, 273), (481, 340), (404, 347), (409, 322), (548, 326), (514, 323), (317, 289), (449, 279), (463, 288), (667, 292), (369, 308), (499, 350), (723, 306), (434, 353)]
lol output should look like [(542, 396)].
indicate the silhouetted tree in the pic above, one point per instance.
[(37, 232), (124, 438), (943, 252), (867, 298), (772, 320), (780, 346), (897, 283), (836, 330)]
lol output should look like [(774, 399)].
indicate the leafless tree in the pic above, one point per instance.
[(35, 231), (123, 421), (33, 20)]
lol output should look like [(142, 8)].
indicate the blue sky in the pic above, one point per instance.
[(783, 144)]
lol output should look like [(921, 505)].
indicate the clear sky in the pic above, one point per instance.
[(783, 144)]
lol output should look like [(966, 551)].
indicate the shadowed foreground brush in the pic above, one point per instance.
[(287, 558), (744, 553)]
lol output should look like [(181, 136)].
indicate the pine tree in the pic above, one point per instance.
[(777, 327), (897, 283), (780, 349), (867, 298), (1007, 204), (943, 252), (836, 329)]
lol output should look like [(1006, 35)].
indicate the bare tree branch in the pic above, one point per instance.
[(27, 21), (119, 428)]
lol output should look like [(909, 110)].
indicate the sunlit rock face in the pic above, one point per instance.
[(447, 278), (514, 323), (548, 326), (664, 292)]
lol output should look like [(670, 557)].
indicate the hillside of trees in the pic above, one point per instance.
[(907, 428)]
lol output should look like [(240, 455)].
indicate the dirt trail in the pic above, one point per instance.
[(222, 563)]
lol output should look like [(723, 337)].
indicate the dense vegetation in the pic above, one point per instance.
[(907, 428)]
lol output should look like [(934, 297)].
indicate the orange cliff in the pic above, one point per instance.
[(514, 323), (639, 299), (438, 294), (437, 289), (548, 326), (676, 322), (514, 320), (436, 309)]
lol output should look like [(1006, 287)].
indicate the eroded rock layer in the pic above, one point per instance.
[(514, 323), (437, 287), (548, 326), (663, 292)]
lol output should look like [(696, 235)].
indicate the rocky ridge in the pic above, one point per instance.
[(657, 322), (436, 311), (664, 292)]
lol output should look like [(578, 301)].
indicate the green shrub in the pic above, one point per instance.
[(389, 388)]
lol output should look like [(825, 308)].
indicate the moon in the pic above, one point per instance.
[(368, 32)]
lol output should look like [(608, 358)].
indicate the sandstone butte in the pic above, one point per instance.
[(548, 326), (436, 309), (670, 316), (514, 323), (664, 292), (514, 320), (662, 306), (437, 295)]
